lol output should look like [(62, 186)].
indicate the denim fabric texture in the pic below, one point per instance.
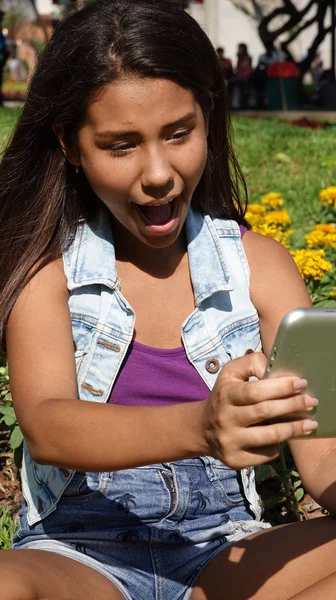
[(199, 505), (150, 530)]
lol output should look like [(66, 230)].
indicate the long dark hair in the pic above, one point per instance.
[(41, 198)]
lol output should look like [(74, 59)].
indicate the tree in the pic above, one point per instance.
[(296, 21), (255, 9)]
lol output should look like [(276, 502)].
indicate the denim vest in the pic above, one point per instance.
[(223, 325)]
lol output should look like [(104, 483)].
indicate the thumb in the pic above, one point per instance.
[(241, 369)]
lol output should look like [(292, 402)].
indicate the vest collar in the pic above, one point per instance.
[(92, 255)]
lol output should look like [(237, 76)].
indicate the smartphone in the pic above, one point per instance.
[(305, 346)]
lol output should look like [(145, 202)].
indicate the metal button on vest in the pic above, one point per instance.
[(212, 365)]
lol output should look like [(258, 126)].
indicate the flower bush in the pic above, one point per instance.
[(328, 196), (315, 252)]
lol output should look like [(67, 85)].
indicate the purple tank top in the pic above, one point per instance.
[(152, 376), (156, 377)]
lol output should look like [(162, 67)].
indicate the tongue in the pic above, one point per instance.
[(157, 215)]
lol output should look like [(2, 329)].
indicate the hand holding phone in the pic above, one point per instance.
[(305, 346)]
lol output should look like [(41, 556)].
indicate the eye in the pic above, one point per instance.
[(180, 135), (120, 149)]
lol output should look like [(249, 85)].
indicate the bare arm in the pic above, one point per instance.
[(61, 430), (270, 262)]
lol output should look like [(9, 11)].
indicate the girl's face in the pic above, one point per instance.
[(143, 149)]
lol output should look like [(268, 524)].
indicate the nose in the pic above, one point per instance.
[(157, 173)]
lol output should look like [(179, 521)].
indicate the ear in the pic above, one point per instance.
[(70, 153)]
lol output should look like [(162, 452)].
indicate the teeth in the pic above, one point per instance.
[(161, 203)]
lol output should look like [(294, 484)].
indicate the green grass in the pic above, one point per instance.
[(7, 529), (8, 118), (294, 161)]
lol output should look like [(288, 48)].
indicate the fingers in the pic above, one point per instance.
[(273, 435), (276, 409), (262, 444), (254, 365), (254, 392)]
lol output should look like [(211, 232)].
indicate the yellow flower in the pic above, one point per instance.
[(328, 196), (326, 227), (333, 293), (274, 232), (272, 199), (278, 217), (254, 218), (311, 263), (256, 209), (319, 238)]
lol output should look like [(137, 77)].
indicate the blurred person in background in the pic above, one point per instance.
[(241, 81), (269, 57), (225, 63)]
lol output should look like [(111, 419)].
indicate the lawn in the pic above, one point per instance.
[(294, 161), (8, 118)]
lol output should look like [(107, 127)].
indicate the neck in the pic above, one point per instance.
[(158, 262)]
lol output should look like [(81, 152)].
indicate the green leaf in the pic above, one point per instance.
[(294, 474), (299, 493), (8, 415), (297, 484), (16, 438), (324, 302)]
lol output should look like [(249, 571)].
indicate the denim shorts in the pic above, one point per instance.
[(150, 530)]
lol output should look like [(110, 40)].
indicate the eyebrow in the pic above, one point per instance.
[(102, 135)]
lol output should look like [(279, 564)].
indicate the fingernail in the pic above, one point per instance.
[(309, 426), (310, 401), (299, 384)]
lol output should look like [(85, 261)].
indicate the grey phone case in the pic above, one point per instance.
[(305, 345)]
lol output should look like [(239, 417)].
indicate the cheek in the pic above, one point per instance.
[(105, 178), (196, 161)]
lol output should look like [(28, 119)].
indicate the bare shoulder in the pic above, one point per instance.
[(50, 277), (267, 252), (276, 285), (272, 269), (47, 289)]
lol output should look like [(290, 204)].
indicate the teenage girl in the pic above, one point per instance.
[(134, 306)]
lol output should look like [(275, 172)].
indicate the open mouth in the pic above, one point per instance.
[(160, 214)]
